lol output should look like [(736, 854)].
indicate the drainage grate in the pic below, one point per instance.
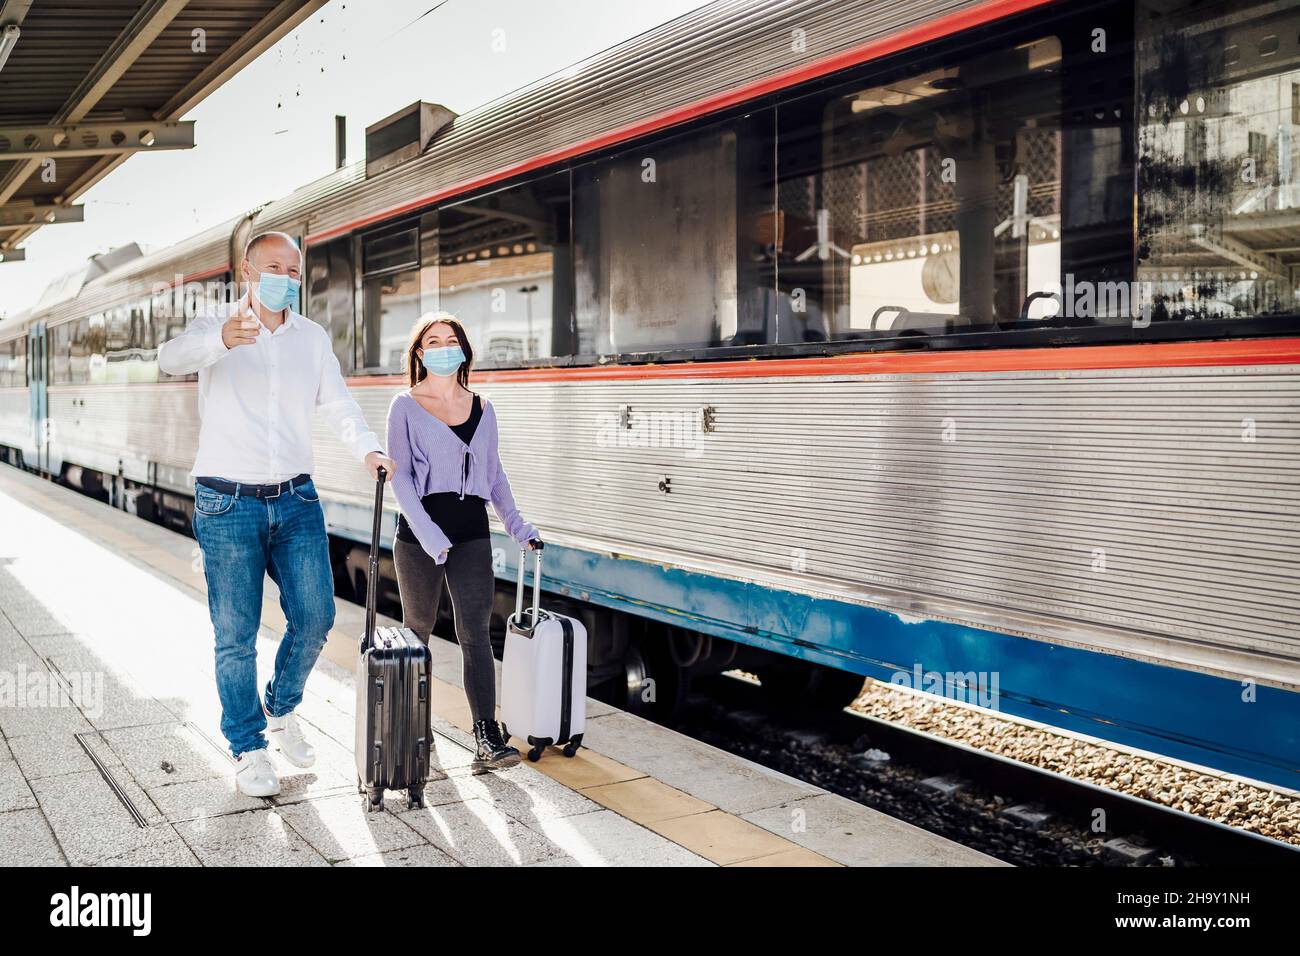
[(111, 780)]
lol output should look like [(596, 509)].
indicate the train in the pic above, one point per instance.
[(952, 343)]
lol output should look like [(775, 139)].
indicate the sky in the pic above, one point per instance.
[(270, 129)]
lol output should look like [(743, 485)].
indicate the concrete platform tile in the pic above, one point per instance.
[(26, 840), (603, 838), (720, 837), (203, 799), (797, 856), (423, 855), (852, 834), (167, 753), (646, 800), (49, 754), (340, 828), (707, 773), (475, 833), (255, 838), (89, 821), (15, 794)]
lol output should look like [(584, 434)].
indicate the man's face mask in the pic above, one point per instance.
[(276, 292)]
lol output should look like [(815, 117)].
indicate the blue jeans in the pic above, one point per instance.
[(242, 539)]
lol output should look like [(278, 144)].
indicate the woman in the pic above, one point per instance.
[(443, 440)]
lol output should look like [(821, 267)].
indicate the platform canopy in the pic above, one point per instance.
[(84, 85)]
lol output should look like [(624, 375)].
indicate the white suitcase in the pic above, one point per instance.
[(543, 674)]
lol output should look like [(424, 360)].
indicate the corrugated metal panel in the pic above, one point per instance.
[(705, 53)]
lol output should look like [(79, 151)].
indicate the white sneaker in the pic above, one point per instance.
[(254, 774), (286, 736)]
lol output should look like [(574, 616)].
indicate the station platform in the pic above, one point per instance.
[(111, 752)]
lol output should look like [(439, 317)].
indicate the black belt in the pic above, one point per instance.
[(253, 491)]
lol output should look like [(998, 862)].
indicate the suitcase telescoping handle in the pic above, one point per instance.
[(537, 589), (372, 577)]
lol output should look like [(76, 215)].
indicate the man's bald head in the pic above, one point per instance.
[(279, 244)]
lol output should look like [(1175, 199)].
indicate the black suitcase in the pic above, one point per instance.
[(394, 732)]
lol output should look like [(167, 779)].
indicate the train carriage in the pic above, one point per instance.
[(887, 339)]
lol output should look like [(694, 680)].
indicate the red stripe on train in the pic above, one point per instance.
[(1161, 355), (945, 26)]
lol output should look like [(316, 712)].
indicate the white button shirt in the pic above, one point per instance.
[(256, 402)]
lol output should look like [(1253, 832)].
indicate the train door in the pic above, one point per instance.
[(37, 454)]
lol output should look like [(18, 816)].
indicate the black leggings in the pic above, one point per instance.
[(469, 577)]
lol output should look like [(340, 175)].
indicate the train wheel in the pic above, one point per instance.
[(799, 687), (655, 687)]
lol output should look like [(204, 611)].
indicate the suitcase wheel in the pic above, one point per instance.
[(536, 753), (415, 799), (571, 748), (373, 801)]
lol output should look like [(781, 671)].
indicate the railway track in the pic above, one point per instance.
[(1019, 813)]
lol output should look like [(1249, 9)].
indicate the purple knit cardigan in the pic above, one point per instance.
[(430, 458)]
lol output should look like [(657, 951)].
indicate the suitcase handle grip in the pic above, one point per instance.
[(372, 575), (537, 588)]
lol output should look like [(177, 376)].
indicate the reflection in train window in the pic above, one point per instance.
[(60, 339), (933, 203), (675, 242), (79, 351), (13, 363), (331, 296), (505, 270), (1219, 192), (390, 266)]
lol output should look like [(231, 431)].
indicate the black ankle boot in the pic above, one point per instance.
[(492, 753)]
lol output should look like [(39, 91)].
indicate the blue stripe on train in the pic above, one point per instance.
[(1187, 715)]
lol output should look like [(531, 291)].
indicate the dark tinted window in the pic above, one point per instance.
[(943, 200), (331, 295), (676, 240)]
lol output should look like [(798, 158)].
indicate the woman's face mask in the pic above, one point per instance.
[(444, 361)]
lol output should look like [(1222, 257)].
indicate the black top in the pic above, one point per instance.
[(461, 519)]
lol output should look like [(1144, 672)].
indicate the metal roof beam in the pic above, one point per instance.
[(269, 30), (272, 28), (149, 21), (16, 215), (93, 139)]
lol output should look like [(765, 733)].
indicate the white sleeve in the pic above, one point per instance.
[(342, 413), (197, 347)]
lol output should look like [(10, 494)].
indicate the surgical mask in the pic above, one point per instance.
[(444, 361), (276, 291)]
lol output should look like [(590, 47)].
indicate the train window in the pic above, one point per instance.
[(13, 356), (505, 270), (942, 201), (141, 336), (79, 352), (60, 338), (117, 330), (1219, 138), (95, 337), (390, 292), (331, 296), (676, 241)]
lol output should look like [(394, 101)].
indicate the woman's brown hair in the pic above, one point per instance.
[(415, 370)]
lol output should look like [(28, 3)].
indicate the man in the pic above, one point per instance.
[(263, 371)]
